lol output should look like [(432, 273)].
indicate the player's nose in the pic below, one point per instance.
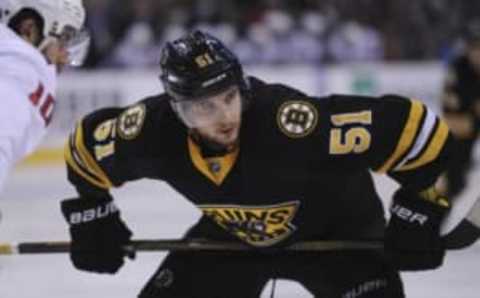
[(226, 112)]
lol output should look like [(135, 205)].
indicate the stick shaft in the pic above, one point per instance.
[(457, 239), (191, 245)]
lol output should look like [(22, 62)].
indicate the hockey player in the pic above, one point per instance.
[(268, 166), (37, 39), (461, 108)]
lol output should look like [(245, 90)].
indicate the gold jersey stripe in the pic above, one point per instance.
[(89, 161), (225, 163), (433, 149), (73, 164), (76, 156), (408, 134)]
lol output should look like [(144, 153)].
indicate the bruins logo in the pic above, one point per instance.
[(297, 118), (257, 225), (130, 122)]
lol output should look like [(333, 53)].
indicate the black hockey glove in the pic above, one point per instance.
[(98, 234), (412, 237)]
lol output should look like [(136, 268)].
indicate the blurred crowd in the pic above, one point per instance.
[(130, 33)]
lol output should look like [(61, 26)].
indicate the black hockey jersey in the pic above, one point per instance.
[(462, 93), (302, 169), (462, 87)]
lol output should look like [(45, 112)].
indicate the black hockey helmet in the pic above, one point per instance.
[(199, 65)]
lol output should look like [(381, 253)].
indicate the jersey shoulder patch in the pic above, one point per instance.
[(130, 122), (297, 118)]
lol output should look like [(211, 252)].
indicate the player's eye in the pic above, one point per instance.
[(204, 106), (230, 96)]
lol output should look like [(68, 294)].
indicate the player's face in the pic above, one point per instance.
[(70, 47), (30, 32), (56, 53), (216, 118)]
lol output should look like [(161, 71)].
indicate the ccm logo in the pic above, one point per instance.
[(93, 214), (408, 215)]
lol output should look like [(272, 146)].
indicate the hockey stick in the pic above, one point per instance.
[(193, 245), (467, 231), (463, 235)]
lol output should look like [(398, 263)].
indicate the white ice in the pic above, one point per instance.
[(30, 207)]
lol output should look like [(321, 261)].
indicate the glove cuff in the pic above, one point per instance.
[(413, 208)]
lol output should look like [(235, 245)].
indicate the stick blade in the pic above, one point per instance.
[(463, 235)]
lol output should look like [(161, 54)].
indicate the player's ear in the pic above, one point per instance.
[(29, 30)]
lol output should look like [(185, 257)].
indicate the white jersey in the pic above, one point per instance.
[(27, 97)]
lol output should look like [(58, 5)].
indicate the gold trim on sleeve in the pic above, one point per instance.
[(408, 134), (73, 164), (89, 162), (433, 149)]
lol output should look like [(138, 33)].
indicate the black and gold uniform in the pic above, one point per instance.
[(461, 110), (461, 107), (301, 170)]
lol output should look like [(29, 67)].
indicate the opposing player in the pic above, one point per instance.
[(461, 108), (37, 39), (268, 166)]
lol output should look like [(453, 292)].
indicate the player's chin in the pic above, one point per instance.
[(227, 137)]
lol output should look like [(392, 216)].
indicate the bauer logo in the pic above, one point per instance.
[(297, 119), (214, 80), (365, 289), (92, 214), (257, 225), (408, 215)]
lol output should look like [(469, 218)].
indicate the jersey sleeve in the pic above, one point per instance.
[(391, 135), (460, 103), (103, 146), (420, 149), (85, 152), (451, 101), (15, 118)]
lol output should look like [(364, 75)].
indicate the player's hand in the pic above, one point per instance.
[(412, 238), (98, 234)]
